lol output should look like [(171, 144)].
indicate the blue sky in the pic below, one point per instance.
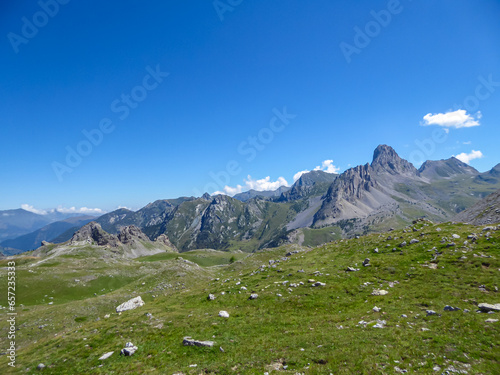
[(181, 97)]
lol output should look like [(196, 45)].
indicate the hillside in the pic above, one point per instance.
[(486, 211), (412, 309)]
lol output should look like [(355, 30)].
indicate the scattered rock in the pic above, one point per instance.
[(491, 320), (41, 366), (188, 341), (376, 309), (253, 296), (486, 307), (376, 250), (450, 308), (413, 241), (352, 269), (402, 244), (366, 262), (379, 292), (130, 304), (451, 244), (128, 350), (380, 324), (223, 314), (210, 297), (319, 283), (455, 236), (106, 356)]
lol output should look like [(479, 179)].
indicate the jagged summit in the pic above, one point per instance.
[(386, 159)]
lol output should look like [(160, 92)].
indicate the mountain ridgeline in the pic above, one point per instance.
[(319, 207)]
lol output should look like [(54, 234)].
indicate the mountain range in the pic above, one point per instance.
[(319, 207)]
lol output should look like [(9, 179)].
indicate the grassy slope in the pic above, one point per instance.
[(301, 329)]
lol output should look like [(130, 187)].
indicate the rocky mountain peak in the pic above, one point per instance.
[(313, 177), (93, 233), (386, 159), (435, 169)]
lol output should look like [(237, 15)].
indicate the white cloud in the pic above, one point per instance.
[(456, 119), (30, 208), (264, 184), (467, 143), (326, 166), (64, 210), (81, 210), (466, 158)]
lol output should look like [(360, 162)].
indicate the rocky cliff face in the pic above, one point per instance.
[(354, 194)]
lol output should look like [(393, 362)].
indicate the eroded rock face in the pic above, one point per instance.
[(130, 234)]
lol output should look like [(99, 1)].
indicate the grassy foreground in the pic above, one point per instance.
[(292, 327)]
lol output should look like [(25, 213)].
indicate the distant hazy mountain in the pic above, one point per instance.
[(14, 223), (486, 211), (247, 195), (32, 240)]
